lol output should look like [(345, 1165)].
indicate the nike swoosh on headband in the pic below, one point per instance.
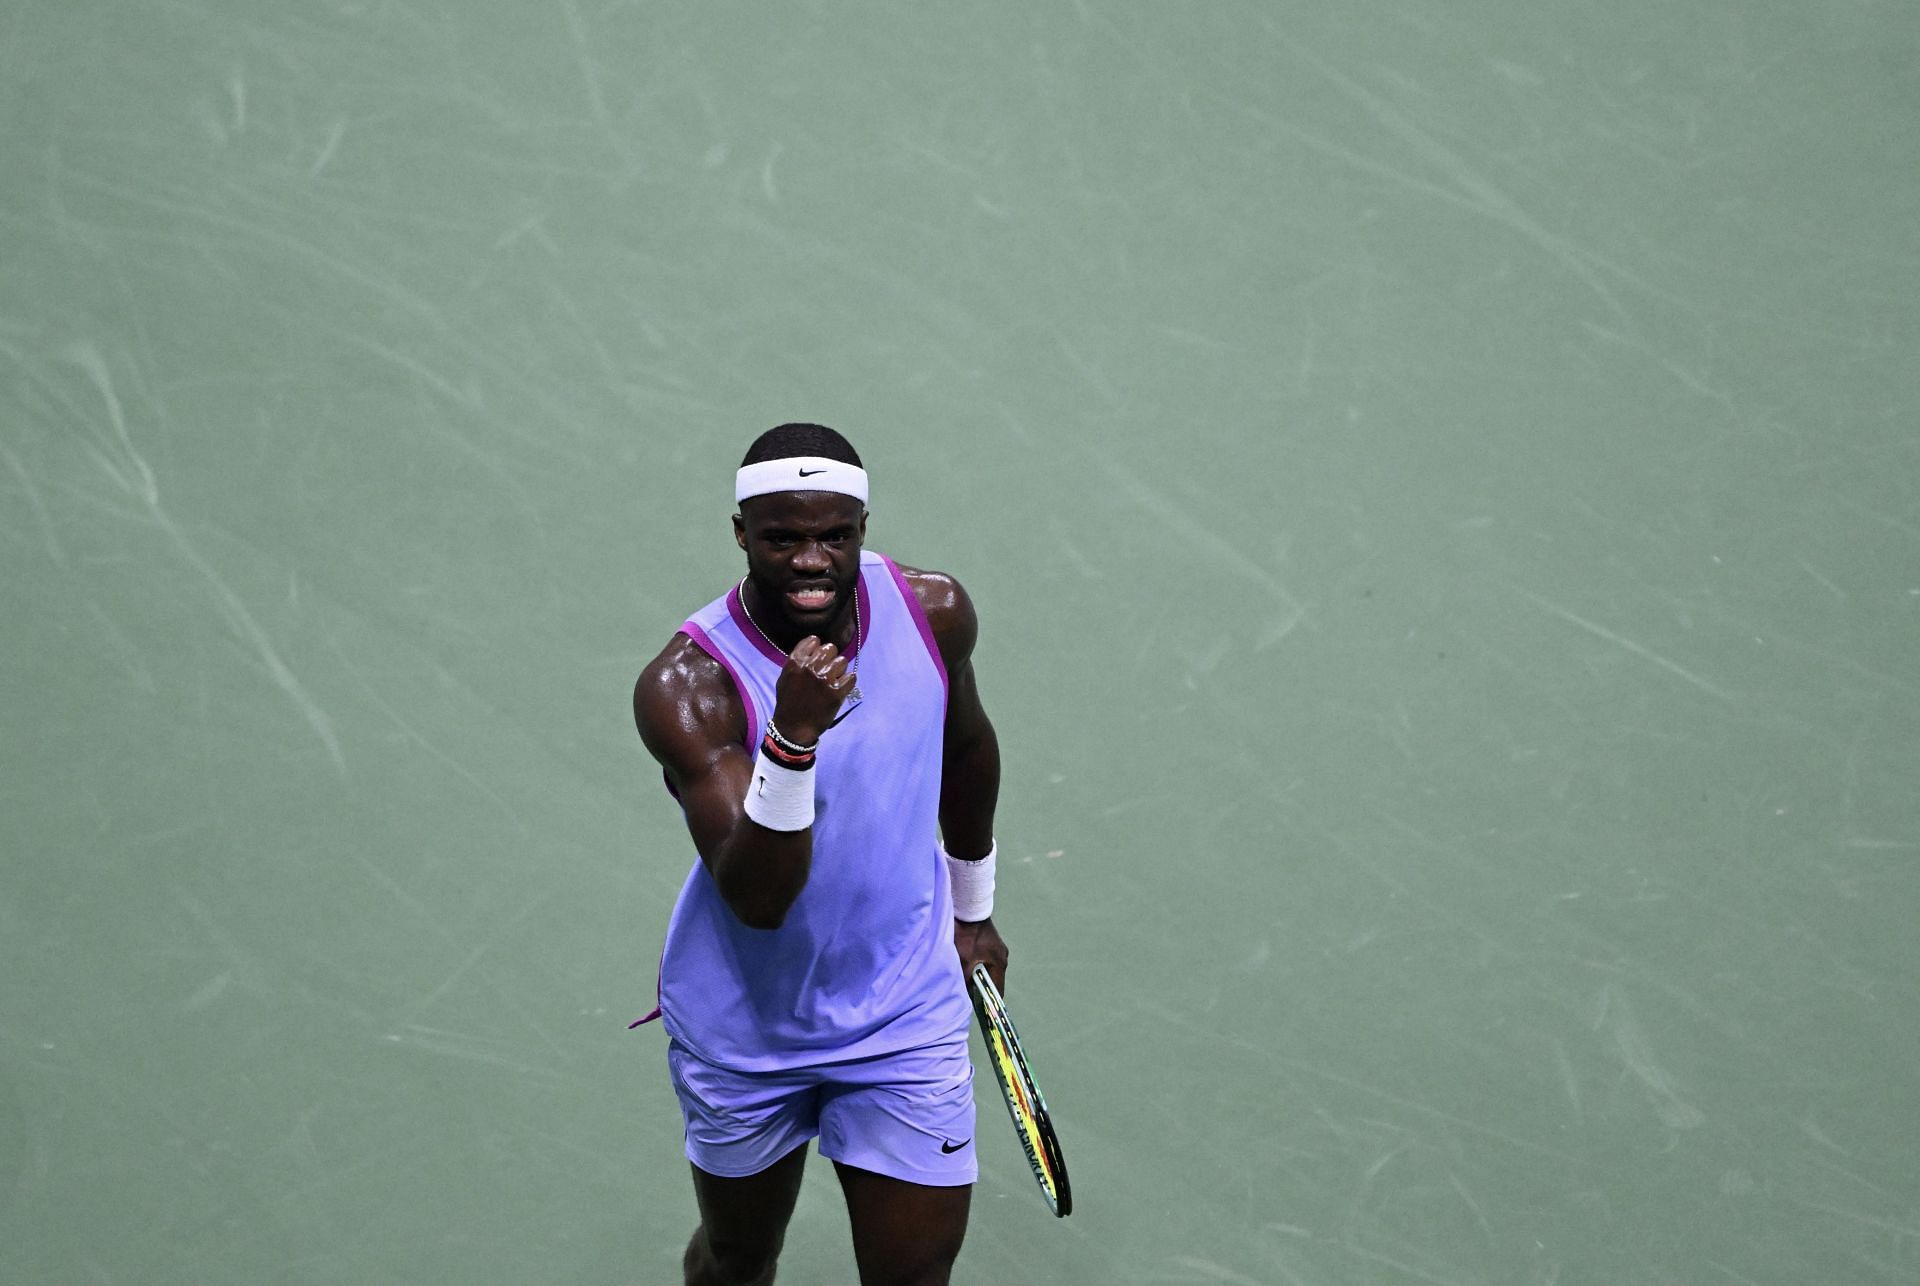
[(818, 473)]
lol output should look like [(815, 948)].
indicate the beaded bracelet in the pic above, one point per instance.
[(788, 744), (777, 750)]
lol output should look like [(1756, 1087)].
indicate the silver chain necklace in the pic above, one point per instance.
[(853, 654)]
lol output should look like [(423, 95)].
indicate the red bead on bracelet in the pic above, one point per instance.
[(780, 754)]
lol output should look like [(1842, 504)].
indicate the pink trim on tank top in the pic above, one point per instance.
[(658, 971), (712, 649), (737, 609), (919, 618), (698, 637), (865, 600)]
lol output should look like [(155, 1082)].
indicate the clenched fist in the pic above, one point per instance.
[(811, 687)]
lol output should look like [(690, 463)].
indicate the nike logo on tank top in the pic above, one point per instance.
[(864, 964)]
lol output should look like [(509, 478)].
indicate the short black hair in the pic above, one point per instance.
[(785, 441)]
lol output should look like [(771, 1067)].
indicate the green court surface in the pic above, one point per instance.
[(1441, 485)]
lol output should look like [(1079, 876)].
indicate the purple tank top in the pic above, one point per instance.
[(864, 964)]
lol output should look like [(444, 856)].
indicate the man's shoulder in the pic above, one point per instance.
[(948, 608), (683, 680), (682, 661), (933, 589)]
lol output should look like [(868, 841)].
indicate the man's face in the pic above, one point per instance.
[(803, 553)]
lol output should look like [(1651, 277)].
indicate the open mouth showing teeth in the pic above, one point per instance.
[(811, 599)]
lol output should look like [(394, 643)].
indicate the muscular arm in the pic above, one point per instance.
[(970, 774), (691, 720), (970, 777)]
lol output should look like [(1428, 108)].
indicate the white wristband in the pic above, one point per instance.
[(972, 884), (780, 798)]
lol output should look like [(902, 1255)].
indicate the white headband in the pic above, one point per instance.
[(800, 473)]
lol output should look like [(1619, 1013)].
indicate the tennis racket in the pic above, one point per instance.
[(1024, 1104)]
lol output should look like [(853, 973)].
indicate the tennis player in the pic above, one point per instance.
[(820, 726)]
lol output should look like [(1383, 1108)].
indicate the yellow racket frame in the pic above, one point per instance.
[(1031, 1121)]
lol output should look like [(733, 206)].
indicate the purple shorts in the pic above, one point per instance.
[(907, 1115)]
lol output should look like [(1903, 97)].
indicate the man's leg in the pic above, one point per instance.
[(743, 1223), (904, 1234)]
